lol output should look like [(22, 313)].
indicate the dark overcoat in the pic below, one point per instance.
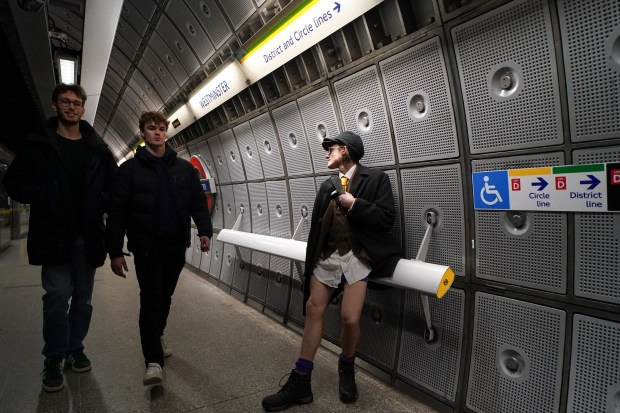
[(371, 220), (38, 177)]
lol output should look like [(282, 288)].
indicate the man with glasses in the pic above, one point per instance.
[(64, 173), (349, 242)]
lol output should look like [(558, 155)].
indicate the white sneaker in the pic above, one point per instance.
[(167, 349), (153, 375)]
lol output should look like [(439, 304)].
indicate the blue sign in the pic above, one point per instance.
[(491, 190), (206, 185)]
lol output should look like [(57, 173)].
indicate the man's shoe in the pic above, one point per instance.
[(53, 379), (296, 390), (346, 382), (78, 361), (153, 375), (167, 349)]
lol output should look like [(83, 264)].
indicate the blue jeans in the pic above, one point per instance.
[(64, 327)]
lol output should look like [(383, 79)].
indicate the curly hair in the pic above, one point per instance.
[(155, 117)]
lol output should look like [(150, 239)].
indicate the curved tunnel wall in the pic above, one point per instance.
[(532, 322)]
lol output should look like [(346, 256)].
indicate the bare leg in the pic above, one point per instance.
[(315, 309), (350, 311)]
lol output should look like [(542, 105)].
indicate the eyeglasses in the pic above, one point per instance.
[(333, 147), (65, 103)]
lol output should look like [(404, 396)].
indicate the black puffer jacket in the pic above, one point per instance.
[(37, 177), (133, 203)]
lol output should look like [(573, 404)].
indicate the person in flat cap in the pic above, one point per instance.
[(350, 242)]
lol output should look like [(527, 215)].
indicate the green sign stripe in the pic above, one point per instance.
[(278, 25), (597, 167)]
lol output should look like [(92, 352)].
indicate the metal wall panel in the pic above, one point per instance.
[(248, 151), (228, 264), (217, 214), (190, 251), (319, 119), (295, 307), (220, 159), (196, 253), (161, 70), (420, 100), (129, 36), (292, 139), (204, 153), (212, 20), (168, 57), (260, 225), (242, 267), (217, 253), (516, 362), (154, 79), (363, 111), (205, 261), (590, 37), (380, 322), (113, 80), (506, 63), (178, 45), (239, 11), (122, 44), (119, 62), (302, 200), (433, 365), (228, 205), (267, 144), (130, 13), (181, 15), (277, 288), (525, 248), (145, 7), (597, 240), (424, 190), (141, 105), (395, 231), (233, 158), (595, 366), (143, 95)]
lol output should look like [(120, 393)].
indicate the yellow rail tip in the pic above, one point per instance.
[(446, 282)]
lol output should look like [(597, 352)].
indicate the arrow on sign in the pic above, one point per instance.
[(541, 184), (593, 182), (337, 8)]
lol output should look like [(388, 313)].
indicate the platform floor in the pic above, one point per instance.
[(227, 356)]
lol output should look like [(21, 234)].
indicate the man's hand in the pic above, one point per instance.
[(118, 264), (205, 243), (346, 200)]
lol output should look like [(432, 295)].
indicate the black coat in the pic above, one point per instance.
[(37, 177), (370, 219), (133, 203)]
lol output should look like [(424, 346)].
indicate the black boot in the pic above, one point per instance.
[(296, 390), (346, 382)]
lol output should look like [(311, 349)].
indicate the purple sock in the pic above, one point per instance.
[(343, 358), (304, 366)]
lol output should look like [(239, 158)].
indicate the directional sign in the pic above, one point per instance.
[(307, 24), (578, 188)]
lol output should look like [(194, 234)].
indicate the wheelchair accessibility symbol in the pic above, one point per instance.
[(491, 190)]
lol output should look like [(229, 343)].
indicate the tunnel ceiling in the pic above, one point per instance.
[(162, 50)]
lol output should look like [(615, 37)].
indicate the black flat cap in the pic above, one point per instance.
[(349, 139)]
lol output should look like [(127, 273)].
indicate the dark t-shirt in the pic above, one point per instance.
[(74, 155)]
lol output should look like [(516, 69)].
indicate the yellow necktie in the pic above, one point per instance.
[(344, 181)]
